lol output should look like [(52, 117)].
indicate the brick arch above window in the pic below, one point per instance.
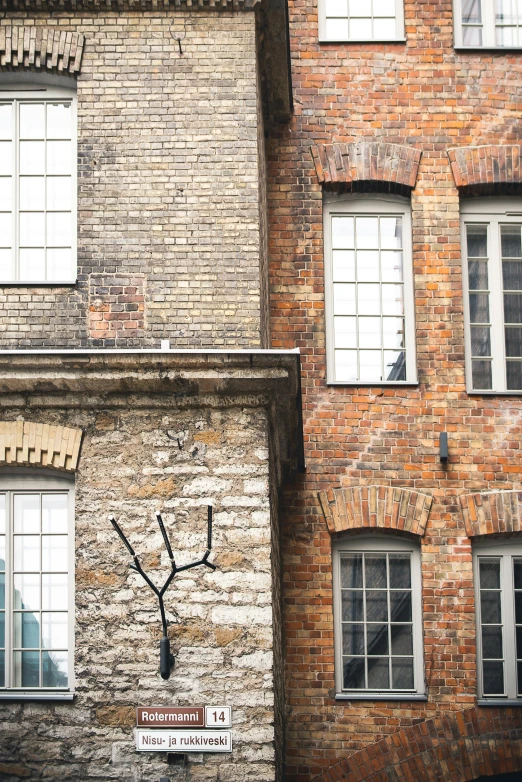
[(366, 166), (376, 507), (457, 747), (41, 48), (492, 513), (30, 444), (487, 170)]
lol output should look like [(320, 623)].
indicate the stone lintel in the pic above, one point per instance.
[(32, 444), (487, 170), (40, 48), (492, 513)]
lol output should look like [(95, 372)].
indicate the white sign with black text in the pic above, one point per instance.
[(183, 740), (218, 716)]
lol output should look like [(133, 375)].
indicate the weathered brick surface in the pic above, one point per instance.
[(221, 623), (116, 308), (393, 166), (375, 507), (487, 170), (421, 94), (43, 48), (168, 181)]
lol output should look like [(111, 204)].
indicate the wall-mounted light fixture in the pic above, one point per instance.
[(443, 446)]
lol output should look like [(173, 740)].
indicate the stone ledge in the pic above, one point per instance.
[(125, 5), (45, 48), (26, 443), (488, 169), (492, 513), (392, 165), (376, 507)]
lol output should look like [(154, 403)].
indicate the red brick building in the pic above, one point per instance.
[(420, 121)]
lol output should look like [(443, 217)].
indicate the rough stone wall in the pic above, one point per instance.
[(168, 186), (422, 94), (221, 622)]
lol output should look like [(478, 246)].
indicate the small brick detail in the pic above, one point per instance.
[(492, 513), (41, 48), (355, 164), (39, 445), (463, 745), (376, 507), (116, 307), (486, 168)]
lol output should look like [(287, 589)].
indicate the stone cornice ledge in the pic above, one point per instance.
[(94, 6), (90, 378)]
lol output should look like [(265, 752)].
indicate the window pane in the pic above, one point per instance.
[(511, 246), (59, 265), (472, 36), (507, 36), (493, 678), (378, 673), (513, 307), (54, 513), (54, 592), (393, 299), (360, 8), (351, 571), (478, 275), (490, 608), (514, 375), (370, 334), (54, 553), (6, 195), (26, 631), (58, 157), (337, 29), (27, 669), (344, 265), (402, 639), (353, 673), (352, 605), (377, 639), (27, 553), (384, 29), (353, 639), (384, 7), (345, 332), (400, 606), (400, 576), (513, 341), (59, 193), (6, 224), (32, 264), (367, 232), (519, 678), (480, 341), (32, 193), (393, 332), (391, 263), (489, 574), (2, 629), (517, 572), (479, 307), (368, 299), (32, 157), (6, 265), (6, 115), (370, 370), (26, 591), (402, 674), (503, 11), (375, 571), (58, 229), (342, 233), (492, 643), (518, 607), (32, 120), (2, 590), (32, 229), (54, 669), (394, 366), (481, 374), (346, 365), (471, 11), (361, 29), (376, 607), (59, 120), (344, 299), (6, 158), (54, 631), (368, 265), (512, 275), (336, 7)]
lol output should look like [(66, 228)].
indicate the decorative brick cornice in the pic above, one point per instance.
[(44, 48), (39, 445), (357, 165), (486, 169), (94, 6), (459, 745), (370, 507), (492, 513)]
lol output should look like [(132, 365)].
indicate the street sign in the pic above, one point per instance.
[(218, 716), (170, 716), (183, 740)]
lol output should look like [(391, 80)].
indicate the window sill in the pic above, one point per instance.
[(364, 41), (498, 49), (498, 702), (27, 695), (472, 392), (356, 384), (383, 696), (37, 284)]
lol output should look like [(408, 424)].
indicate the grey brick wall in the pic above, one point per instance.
[(168, 186)]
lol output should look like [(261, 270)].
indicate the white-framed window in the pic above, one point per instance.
[(361, 20), (377, 617), (488, 24), (36, 584), (370, 328), (498, 605), (38, 160), (492, 277)]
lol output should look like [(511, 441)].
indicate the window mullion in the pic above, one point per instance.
[(508, 616), (496, 308), (488, 24), (9, 592)]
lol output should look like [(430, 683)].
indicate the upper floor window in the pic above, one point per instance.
[(36, 573), (37, 184), (488, 23), (492, 260), (378, 617), (369, 290), (498, 587), (361, 20)]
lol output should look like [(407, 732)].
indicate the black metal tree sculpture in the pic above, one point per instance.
[(166, 658)]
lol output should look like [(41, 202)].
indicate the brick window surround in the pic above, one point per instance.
[(375, 507), (367, 166), (30, 444), (464, 745), (492, 513), (493, 169), (41, 48)]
